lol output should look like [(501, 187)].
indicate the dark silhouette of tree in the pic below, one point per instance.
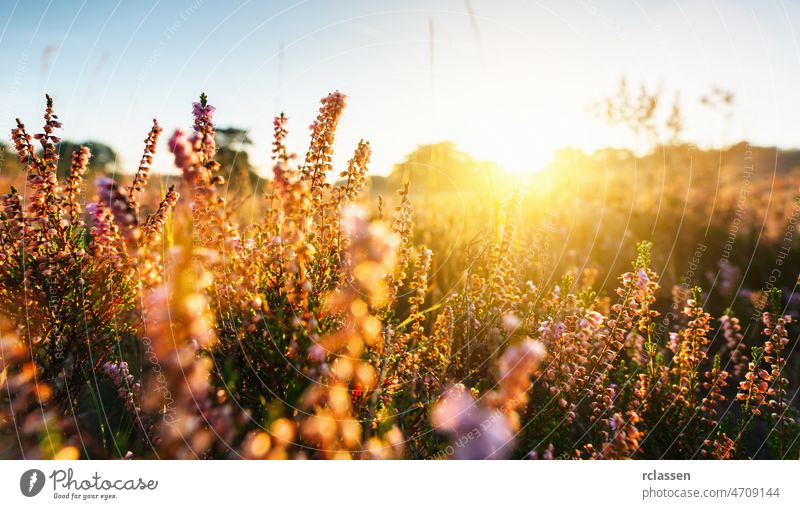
[(232, 144), (9, 164), (103, 160)]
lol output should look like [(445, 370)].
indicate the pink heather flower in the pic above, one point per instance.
[(510, 322), (94, 210), (642, 279), (206, 142), (113, 198), (592, 320), (185, 157), (451, 409), (383, 245), (203, 137), (279, 126), (317, 353), (521, 359), (674, 342), (202, 114), (281, 173), (477, 432), (728, 276), (354, 220), (551, 329)]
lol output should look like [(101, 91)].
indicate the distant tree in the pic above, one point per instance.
[(9, 164), (103, 159), (232, 144), (378, 185), (442, 167)]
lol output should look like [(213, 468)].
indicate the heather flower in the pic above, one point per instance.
[(716, 381), (143, 172), (516, 365), (734, 341), (476, 431), (202, 114), (155, 223), (753, 389), (728, 277), (775, 331), (722, 447), (692, 352), (113, 198), (128, 390), (183, 151), (279, 152), (624, 439), (402, 226), (320, 151), (80, 160), (203, 138)]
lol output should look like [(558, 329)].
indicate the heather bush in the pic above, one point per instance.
[(331, 327)]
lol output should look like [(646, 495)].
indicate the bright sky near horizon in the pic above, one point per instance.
[(509, 82)]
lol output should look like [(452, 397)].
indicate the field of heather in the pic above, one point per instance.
[(292, 291), (164, 322)]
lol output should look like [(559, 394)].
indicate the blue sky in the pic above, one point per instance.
[(510, 84)]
